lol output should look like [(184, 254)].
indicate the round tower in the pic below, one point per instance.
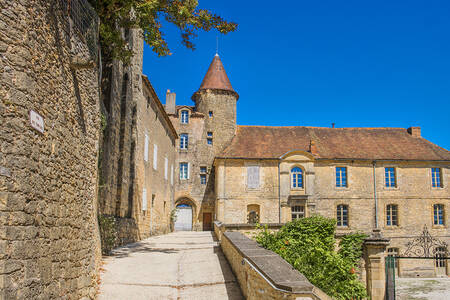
[(216, 99)]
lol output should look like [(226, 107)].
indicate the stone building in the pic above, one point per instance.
[(204, 130), (50, 124), (366, 178), (138, 151)]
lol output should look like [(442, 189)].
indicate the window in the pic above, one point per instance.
[(202, 170), (184, 172), (436, 177), (441, 253), (342, 215), (297, 212), (144, 199), (184, 117), (166, 168), (393, 252), (438, 214), (146, 148), (392, 215), (210, 114), (202, 178), (253, 177), (184, 140), (155, 156), (296, 178), (389, 177), (209, 139), (341, 176)]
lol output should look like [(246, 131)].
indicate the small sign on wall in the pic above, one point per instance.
[(36, 121)]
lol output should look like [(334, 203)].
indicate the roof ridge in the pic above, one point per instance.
[(317, 127)]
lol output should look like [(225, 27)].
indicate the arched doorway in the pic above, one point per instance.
[(184, 218)]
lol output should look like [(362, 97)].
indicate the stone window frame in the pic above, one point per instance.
[(441, 178), (387, 212), (303, 178), (203, 179), (184, 141), (211, 114), (335, 177), (187, 170), (184, 119), (209, 138), (395, 187), (300, 214), (253, 164), (444, 215), (343, 205)]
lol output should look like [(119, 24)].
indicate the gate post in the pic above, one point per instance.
[(374, 254)]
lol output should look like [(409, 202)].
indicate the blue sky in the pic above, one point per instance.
[(312, 63)]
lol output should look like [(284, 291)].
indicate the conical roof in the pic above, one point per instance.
[(216, 77)]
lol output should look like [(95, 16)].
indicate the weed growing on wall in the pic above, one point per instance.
[(308, 244)]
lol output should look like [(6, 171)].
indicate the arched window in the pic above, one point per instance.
[(296, 178), (342, 215), (252, 213)]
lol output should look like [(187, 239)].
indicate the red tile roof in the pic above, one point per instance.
[(332, 143), (216, 77)]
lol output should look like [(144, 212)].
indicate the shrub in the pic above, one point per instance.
[(308, 244)]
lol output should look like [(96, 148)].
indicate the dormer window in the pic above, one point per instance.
[(184, 117), (296, 178)]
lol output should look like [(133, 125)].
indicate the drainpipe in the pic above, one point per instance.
[(375, 194), (279, 193)]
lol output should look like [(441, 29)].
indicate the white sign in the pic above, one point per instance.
[(36, 121)]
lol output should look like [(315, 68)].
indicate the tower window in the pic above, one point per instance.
[(342, 215), (184, 117), (209, 138), (389, 177), (210, 114), (202, 170), (392, 215), (184, 170), (341, 176), (436, 177), (184, 140), (202, 178)]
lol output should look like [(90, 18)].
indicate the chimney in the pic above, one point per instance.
[(414, 131), (332, 125), (313, 147), (170, 102)]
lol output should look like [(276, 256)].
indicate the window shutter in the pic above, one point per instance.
[(155, 156), (166, 167), (253, 177), (189, 170), (144, 199), (171, 174), (146, 148)]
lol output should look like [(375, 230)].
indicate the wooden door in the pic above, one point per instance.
[(207, 221)]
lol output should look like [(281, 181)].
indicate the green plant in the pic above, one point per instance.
[(308, 245), (351, 247), (108, 233), (173, 215)]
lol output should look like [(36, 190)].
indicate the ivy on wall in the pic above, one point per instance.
[(308, 244)]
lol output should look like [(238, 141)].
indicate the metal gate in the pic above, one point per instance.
[(424, 247), (184, 218)]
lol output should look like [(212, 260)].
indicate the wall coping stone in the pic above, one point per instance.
[(230, 226), (278, 271)]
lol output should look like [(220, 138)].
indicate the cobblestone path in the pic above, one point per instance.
[(179, 265)]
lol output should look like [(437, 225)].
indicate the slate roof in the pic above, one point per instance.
[(333, 143)]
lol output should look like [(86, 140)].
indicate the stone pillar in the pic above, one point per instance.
[(374, 254)]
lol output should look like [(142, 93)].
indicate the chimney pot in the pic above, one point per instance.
[(414, 131)]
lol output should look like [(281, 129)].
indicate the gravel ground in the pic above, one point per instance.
[(423, 288)]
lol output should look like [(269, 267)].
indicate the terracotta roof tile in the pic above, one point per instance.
[(332, 143), (216, 77)]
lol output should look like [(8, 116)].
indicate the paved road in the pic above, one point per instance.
[(179, 265)]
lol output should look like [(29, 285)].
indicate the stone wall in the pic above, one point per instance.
[(262, 274), (49, 242)]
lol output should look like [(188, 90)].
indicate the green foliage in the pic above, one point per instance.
[(308, 245), (148, 15), (351, 247), (108, 233)]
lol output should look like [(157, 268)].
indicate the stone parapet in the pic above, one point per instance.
[(262, 274), (246, 229)]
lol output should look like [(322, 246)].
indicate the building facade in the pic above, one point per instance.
[(365, 178)]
